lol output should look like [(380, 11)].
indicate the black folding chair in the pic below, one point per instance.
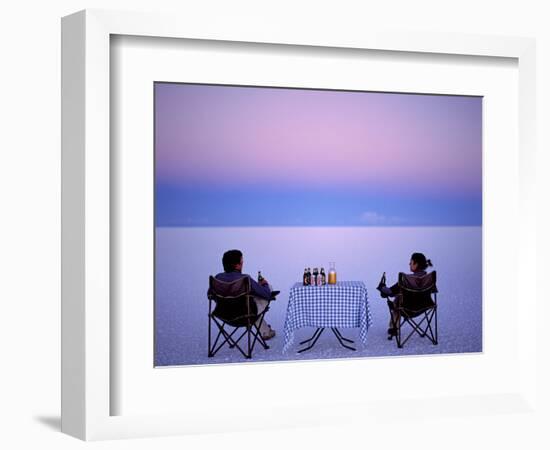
[(414, 306), (234, 310)]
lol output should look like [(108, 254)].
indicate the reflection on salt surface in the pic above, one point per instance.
[(185, 257)]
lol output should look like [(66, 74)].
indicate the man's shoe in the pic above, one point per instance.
[(270, 334)]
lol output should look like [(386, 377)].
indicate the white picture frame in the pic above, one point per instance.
[(86, 198)]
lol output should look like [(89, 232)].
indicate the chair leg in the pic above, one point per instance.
[(397, 326), (210, 336), (427, 331), (436, 336), (424, 332), (227, 338), (432, 316), (235, 342), (210, 328), (213, 350), (258, 334), (258, 337), (398, 336), (252, 332), (248, 329)]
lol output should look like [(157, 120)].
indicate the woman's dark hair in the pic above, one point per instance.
[(421, 261), (230, 259)]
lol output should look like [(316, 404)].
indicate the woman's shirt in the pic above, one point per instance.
[(394, 290)]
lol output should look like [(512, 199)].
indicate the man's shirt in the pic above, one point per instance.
[(257, 289)]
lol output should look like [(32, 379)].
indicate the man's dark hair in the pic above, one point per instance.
[(230, 259)]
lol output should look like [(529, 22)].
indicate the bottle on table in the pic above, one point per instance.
[(315, 275), (332, 273), (308, 276), (323, 276), (260, 278), (305, 278)]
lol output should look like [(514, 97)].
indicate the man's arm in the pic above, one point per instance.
[(259, 290)]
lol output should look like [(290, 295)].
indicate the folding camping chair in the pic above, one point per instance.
[(234, 307), (415, 306)]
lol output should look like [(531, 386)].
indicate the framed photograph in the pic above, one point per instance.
[(309, 213), (380, 172)]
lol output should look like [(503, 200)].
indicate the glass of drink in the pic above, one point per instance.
[(332, 273)]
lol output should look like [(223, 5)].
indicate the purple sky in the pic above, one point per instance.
[(368, 146)]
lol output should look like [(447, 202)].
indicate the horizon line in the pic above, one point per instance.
[(321, 226)]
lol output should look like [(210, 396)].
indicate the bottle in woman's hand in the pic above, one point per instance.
[(382, 285)]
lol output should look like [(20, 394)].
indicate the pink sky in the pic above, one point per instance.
[(313, 138)]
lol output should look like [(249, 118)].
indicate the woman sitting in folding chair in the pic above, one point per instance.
[(418, 286)]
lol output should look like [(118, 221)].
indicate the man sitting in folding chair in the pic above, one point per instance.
[(240, 302), (413, 304)]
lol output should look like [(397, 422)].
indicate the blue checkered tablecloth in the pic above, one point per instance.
[(341, 305)]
